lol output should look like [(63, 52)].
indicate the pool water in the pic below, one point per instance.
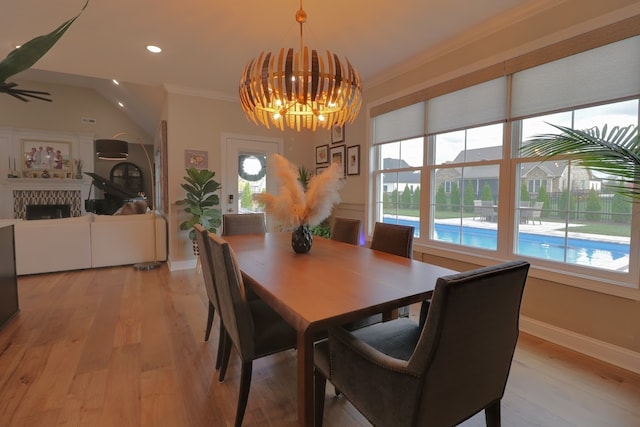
[(607, 255)]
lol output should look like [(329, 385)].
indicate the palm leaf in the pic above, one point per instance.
[(27, 55), (614, 152)]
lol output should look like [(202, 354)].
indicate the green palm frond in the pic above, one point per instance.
[(614, 152), (26, 56)]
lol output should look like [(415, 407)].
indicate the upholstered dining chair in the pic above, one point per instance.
[(395, 239), (397, 374), (249, 223), (253, 328), (346, 230), (207, 272)]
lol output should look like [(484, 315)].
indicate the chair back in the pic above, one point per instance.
[(346, 230), (205, 261), (466, 347), (537, 211), (234, 309), (395, 239), (249, 223)]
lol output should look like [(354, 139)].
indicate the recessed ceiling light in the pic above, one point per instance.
[(120, 104), (154, 49), (115, 82)]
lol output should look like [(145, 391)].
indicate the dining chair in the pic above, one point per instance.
[(397, 374), (395, 239), (248, 223), (346, 230), (536, 213), (207, 273), (252, 327)]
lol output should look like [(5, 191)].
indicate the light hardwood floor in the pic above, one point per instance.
[(120, 347)]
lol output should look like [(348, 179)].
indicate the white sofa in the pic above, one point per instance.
[(89, 241), (126, 239)]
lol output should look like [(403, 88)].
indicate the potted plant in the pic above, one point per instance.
[(201, 202), (303, 201)]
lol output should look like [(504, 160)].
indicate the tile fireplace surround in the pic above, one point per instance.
[(22, 198)]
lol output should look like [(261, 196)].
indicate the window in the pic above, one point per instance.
[(580, 221), (534, 185), (484, 197), (466, 171), (398, 177)]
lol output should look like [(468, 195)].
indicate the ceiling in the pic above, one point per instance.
[(206, 44)]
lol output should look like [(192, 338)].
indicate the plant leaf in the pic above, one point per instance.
[(30, 52), (615, 153)]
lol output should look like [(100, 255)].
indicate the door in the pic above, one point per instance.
[(246, 172)]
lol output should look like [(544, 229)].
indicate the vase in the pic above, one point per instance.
[(301, 239)]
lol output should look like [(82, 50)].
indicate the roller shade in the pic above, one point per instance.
[(605, 73), (475, 105)]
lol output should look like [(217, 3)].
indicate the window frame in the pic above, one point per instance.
[(621, 284)]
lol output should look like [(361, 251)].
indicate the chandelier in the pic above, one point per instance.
[(300, 89)]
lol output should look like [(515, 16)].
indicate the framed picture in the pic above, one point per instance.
[(322, 154), (337, 156), (337, 134), (353, 160), (41, 155), (320, 169), (197, 159)]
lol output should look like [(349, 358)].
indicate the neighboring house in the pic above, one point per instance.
[(553, 175), (399, 180)]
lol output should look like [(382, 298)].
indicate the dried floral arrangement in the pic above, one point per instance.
[(292, 206)]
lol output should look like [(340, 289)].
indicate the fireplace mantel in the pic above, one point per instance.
[(44, 184)]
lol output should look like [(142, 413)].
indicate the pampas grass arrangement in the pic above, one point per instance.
[(292, 206)]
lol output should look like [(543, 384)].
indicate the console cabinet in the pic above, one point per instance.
[(8, 278)]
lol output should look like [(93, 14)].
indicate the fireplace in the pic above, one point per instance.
[(47, 211), (71, 199)]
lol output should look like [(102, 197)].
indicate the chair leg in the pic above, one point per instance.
[(222, 339), (492, 414), (320, 383), (226, 351), (212, 310), (243, 397)]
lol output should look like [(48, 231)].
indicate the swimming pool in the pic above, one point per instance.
[(607, 255)]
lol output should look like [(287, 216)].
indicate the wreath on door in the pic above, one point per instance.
[(249, 176)]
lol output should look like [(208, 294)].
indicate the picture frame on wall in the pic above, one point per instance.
[(322, 154), (337, 134), (196, 159), (336, 154), (353, 160), (40, 155)]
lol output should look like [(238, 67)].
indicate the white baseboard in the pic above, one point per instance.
[(181, 265), (606, 352)]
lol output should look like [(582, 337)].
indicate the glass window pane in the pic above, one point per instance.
[(619, 114), (573, 220), (484, 137), (470, 145), (465, 208), (401, 199), (389, 154), (448, 146), (411, 152)]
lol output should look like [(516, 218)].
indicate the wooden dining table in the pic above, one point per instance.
[(333, 284)]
